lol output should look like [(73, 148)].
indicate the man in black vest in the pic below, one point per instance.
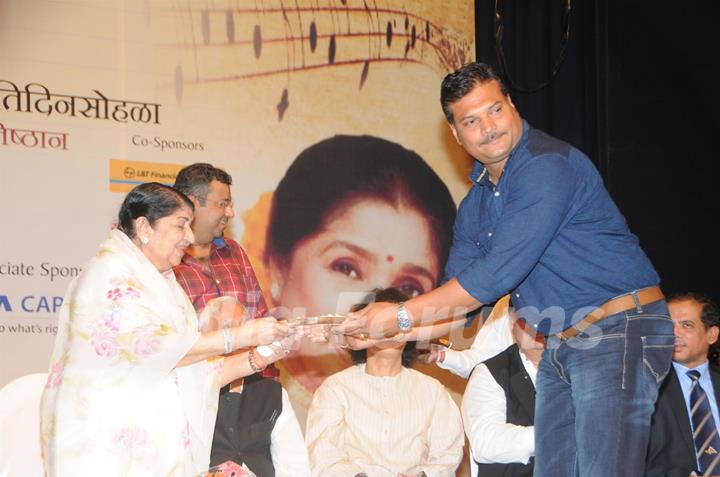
[(498, 407), (672, 451), (256, 426)]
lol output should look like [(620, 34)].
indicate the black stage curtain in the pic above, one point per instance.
[(636, 92)]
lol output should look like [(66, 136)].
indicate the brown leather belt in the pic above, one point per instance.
[(612, 307)]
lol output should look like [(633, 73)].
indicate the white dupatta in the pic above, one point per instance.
[(114, 397)]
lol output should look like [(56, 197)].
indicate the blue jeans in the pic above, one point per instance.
[(596, 394)]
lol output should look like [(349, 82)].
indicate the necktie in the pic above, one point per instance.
[(705, 433)]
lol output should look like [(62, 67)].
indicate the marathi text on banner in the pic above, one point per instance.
[(37, 98)]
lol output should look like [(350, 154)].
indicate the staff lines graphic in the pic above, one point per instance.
[(314, 37)]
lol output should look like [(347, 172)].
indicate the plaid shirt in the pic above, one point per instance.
[(230, 274)]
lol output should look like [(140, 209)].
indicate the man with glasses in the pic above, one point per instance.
[(215, 266)]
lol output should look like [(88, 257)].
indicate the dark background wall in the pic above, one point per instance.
[(638, 92)]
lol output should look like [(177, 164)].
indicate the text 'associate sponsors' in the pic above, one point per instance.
[(50, 271), (21, 300)]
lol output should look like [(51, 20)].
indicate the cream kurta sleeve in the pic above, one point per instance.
[(445, 437)]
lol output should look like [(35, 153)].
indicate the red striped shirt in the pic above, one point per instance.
[(230, 274)]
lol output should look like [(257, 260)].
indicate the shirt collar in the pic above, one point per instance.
[(218, 243), (525, 359), (682, 370), (479, 173)]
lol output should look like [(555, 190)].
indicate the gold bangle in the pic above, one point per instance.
[(253, 364)]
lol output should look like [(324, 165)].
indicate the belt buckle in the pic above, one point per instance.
[(562, 334)]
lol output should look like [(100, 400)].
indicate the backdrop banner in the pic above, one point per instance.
[(99, 96)]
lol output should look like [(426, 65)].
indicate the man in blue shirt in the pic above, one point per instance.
[(539, 224), (672, 451)]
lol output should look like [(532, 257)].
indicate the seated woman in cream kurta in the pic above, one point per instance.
[(380, 418), (131, 390)]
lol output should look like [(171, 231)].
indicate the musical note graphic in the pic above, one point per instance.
[(331, 50), (283, 104), (230, 26), (313, 37), (205, 26), (257, 41), (291, 37), (364, 74)]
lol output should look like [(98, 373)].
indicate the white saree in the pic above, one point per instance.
[(115, 404)]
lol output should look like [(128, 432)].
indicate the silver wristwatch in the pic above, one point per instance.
[(404, 323)]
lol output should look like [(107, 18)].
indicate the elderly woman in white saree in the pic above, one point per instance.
[(133, 385)]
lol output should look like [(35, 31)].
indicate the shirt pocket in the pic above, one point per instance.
[(479, 220)]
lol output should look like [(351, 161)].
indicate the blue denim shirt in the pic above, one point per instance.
[(548, 233)]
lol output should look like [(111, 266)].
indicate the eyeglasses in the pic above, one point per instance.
[(223, 204)]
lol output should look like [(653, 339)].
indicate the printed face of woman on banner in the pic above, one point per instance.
[(353, 213), (350, 255)]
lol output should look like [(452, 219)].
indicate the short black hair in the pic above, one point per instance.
[(460, 82), (710, 315), (152, 201), (385, 295), (195, 179)]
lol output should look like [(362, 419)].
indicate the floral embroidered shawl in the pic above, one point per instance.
[(115, 403)]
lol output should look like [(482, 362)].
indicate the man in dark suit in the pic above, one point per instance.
[(672, 451)]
